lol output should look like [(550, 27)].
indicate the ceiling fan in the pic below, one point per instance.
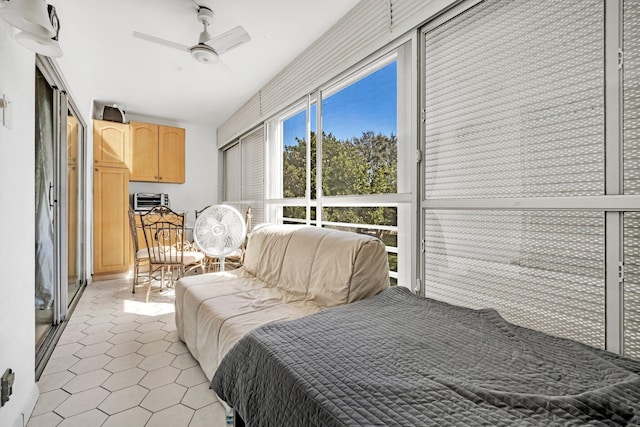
[(209, 48)]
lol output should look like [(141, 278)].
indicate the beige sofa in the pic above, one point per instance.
[(289, 271)]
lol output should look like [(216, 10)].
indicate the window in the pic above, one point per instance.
[(244, 174), (359, 136), (297, 158), (295, 154), (336, 159)]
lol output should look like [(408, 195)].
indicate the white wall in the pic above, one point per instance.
[(201, 169), (17, 154)]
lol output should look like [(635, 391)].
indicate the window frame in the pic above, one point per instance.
[(403, 200)]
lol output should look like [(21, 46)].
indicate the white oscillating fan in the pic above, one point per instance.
[(219, 231)]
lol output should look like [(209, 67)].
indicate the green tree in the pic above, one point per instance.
[(344, 170), (363, 165), (380, 154), (294, 166)]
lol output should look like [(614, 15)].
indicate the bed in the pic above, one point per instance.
[(397, 360)]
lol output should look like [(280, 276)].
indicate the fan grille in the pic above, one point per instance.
[(219, 230)]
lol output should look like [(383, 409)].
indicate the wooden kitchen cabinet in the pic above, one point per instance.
[(156, 153), (110, 220), (144, 152), (171, 154), (110, 144), (110, 197)]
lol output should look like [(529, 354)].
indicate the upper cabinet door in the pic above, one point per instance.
[(144, 152), (171, 164), (110, 144)]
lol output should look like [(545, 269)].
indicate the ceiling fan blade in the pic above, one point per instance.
[(226, 41), (162, 42), (223, 68)]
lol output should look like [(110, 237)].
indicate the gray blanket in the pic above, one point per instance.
[(399, 360)]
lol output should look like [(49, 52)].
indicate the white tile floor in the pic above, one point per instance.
[(120, 363)]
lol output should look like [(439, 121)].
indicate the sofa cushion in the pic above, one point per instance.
[(318, 264), (265, 251), (299, 259), (289, 272)]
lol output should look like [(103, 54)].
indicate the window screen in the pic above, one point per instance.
[(631, 295), (631, 175), (631, 96), (514, 107), (252, 147), (232, 174), (542, 270), (514, 101)]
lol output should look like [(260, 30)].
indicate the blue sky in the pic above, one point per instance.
[(368, 104)]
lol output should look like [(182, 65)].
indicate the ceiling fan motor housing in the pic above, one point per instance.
[(204, 53), (205, 15)]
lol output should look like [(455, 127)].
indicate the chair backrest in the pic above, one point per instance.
[(198, 212), (134, 231), (164, 234), (243, 247)]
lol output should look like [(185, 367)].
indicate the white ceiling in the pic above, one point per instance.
[(103, 62)]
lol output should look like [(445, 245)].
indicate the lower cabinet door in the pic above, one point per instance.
[(111, 239)]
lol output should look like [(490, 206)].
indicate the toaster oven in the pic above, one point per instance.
[(147, 201)]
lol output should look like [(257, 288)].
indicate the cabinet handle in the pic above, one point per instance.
[(96, 169), (155, 177), (159, 177)]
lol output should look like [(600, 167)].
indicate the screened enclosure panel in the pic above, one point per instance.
[(631, 295), (514, 101), (542, 270), (244, 175), (232, 178), (631, 96), (235, 205), (252, 147)]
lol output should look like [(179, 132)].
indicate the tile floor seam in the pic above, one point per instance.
[(83, 412), (102, 327)]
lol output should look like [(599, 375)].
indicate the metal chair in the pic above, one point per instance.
[(140, 256), (169, 251), (198, 212)]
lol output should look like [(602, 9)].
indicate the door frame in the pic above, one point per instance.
[(62, 307)]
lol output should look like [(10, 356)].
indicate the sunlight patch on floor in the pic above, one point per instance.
[(147, 309)]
